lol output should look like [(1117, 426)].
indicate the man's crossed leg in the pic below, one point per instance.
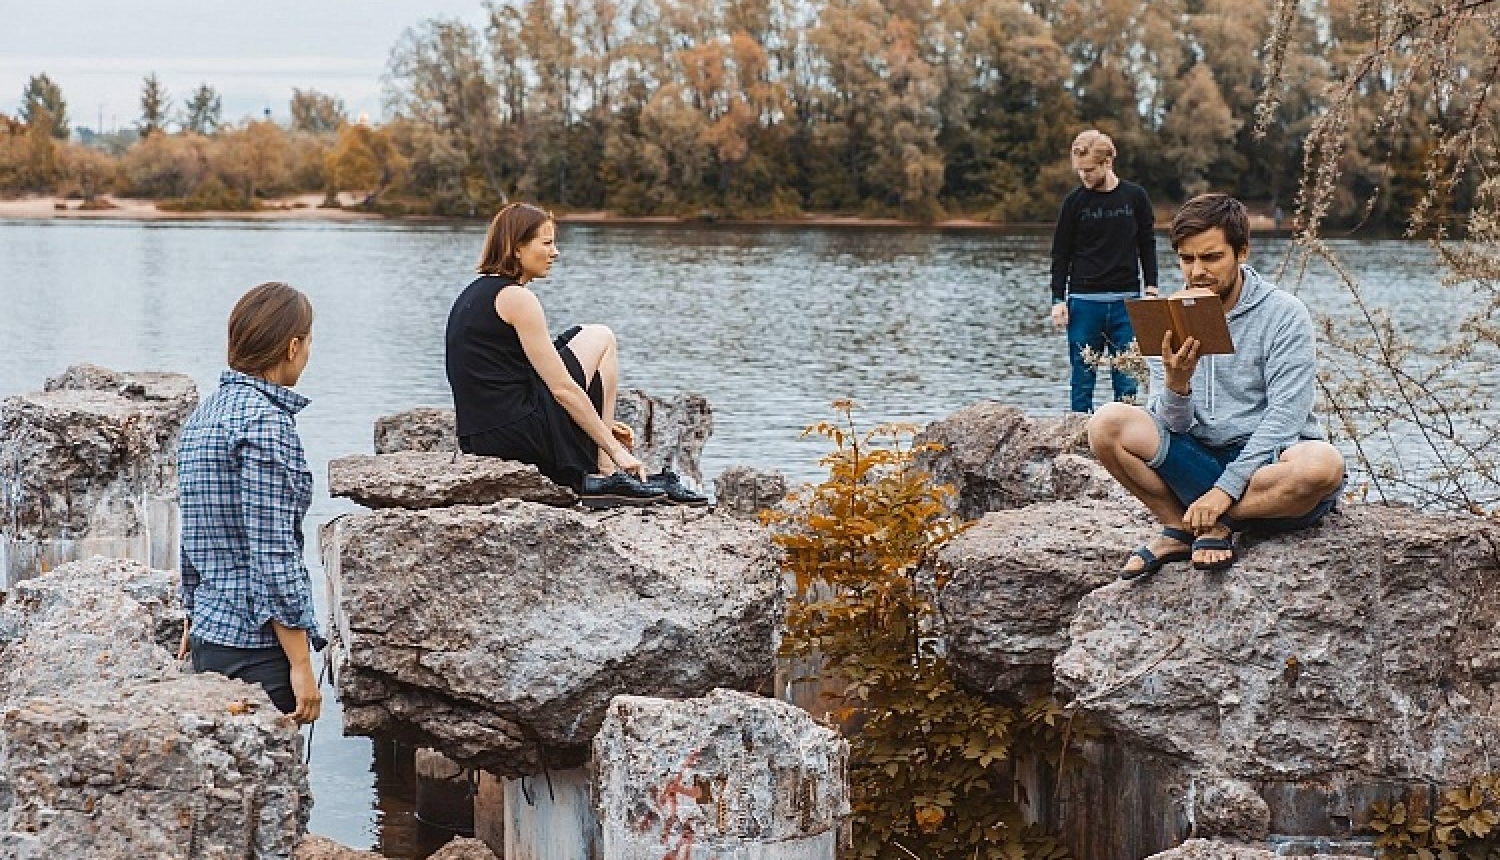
[(1173, 475)]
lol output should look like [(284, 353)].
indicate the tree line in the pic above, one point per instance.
[(772, 108)]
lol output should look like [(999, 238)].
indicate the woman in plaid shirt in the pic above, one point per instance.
[(245, 487)]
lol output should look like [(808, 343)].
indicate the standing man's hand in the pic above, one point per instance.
[(1059, 315)]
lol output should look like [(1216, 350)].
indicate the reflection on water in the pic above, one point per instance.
[(771, 324)]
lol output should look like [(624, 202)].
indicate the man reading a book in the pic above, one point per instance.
[(1104, 242), (1226, 442)]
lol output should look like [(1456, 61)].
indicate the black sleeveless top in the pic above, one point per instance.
[(493, 382)]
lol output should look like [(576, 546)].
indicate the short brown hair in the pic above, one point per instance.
[(262, 326), (512, 227), (1207, 211)]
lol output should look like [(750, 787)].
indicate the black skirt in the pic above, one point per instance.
[(548, 438)]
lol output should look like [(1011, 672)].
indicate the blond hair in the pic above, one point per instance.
[(1093, 142)]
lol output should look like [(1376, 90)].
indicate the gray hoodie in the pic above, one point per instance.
[(1261, 395)]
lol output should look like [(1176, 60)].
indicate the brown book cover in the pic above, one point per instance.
[(1187, 314)]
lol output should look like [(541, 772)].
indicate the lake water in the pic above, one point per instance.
[(770, 324)]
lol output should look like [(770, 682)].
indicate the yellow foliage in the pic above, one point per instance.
[(860, 548)]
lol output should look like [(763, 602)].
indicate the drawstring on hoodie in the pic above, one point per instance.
[(1212, 412)]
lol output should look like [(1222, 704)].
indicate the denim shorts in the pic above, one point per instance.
[(1190, 468)]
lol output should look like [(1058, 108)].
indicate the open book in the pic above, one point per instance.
[(1186, 314)]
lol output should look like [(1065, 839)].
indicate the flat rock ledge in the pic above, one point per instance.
[(418, 480), (107, 752), (497, 635), (1209, 849), (668, 433), (997, 458), (323, 848), (728, 775)]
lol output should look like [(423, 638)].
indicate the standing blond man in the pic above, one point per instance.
[(1103, 247)]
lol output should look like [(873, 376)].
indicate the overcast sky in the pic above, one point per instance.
[(253, 51)]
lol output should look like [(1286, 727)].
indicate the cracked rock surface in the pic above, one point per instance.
[(418, 480), (497, 635), (106, 751), (727, 774)]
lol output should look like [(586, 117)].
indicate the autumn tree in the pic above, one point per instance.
[(163, 166), (364, 159), (438, 76), (202, 112), (317, 113), (42, 102), (255, 159), (1197, 134), (1413, 83), (156, 104), (91, 170)]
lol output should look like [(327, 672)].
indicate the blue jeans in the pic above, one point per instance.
[(1190, 468), (1097, 325)]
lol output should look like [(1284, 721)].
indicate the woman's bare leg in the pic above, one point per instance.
[(595, 348)]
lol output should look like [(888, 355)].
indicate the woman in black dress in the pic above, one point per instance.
[(523, 396)]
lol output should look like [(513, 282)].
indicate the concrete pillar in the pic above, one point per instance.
[(88, 467), (551, 817), (489, 812), (444, 795), (730, 776)]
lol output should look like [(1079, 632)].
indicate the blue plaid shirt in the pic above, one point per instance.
[(245, 487)]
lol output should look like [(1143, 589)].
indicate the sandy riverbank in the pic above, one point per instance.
[(305, 207), (300, 208)]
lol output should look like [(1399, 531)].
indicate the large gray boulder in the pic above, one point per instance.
[(668, 433), (1327, 668), (729, 775), (89, 465), (107, 751), (497, 635), (177, 768), (746, 491), (998, 458), (88, 628), (424, 428), (1014, 581), (417, 480)]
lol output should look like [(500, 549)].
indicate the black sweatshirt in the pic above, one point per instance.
[(1102, 240)]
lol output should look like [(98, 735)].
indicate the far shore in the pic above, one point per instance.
[(306, 207)]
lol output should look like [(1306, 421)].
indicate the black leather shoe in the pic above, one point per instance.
[(621, 488), (677, 492)]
